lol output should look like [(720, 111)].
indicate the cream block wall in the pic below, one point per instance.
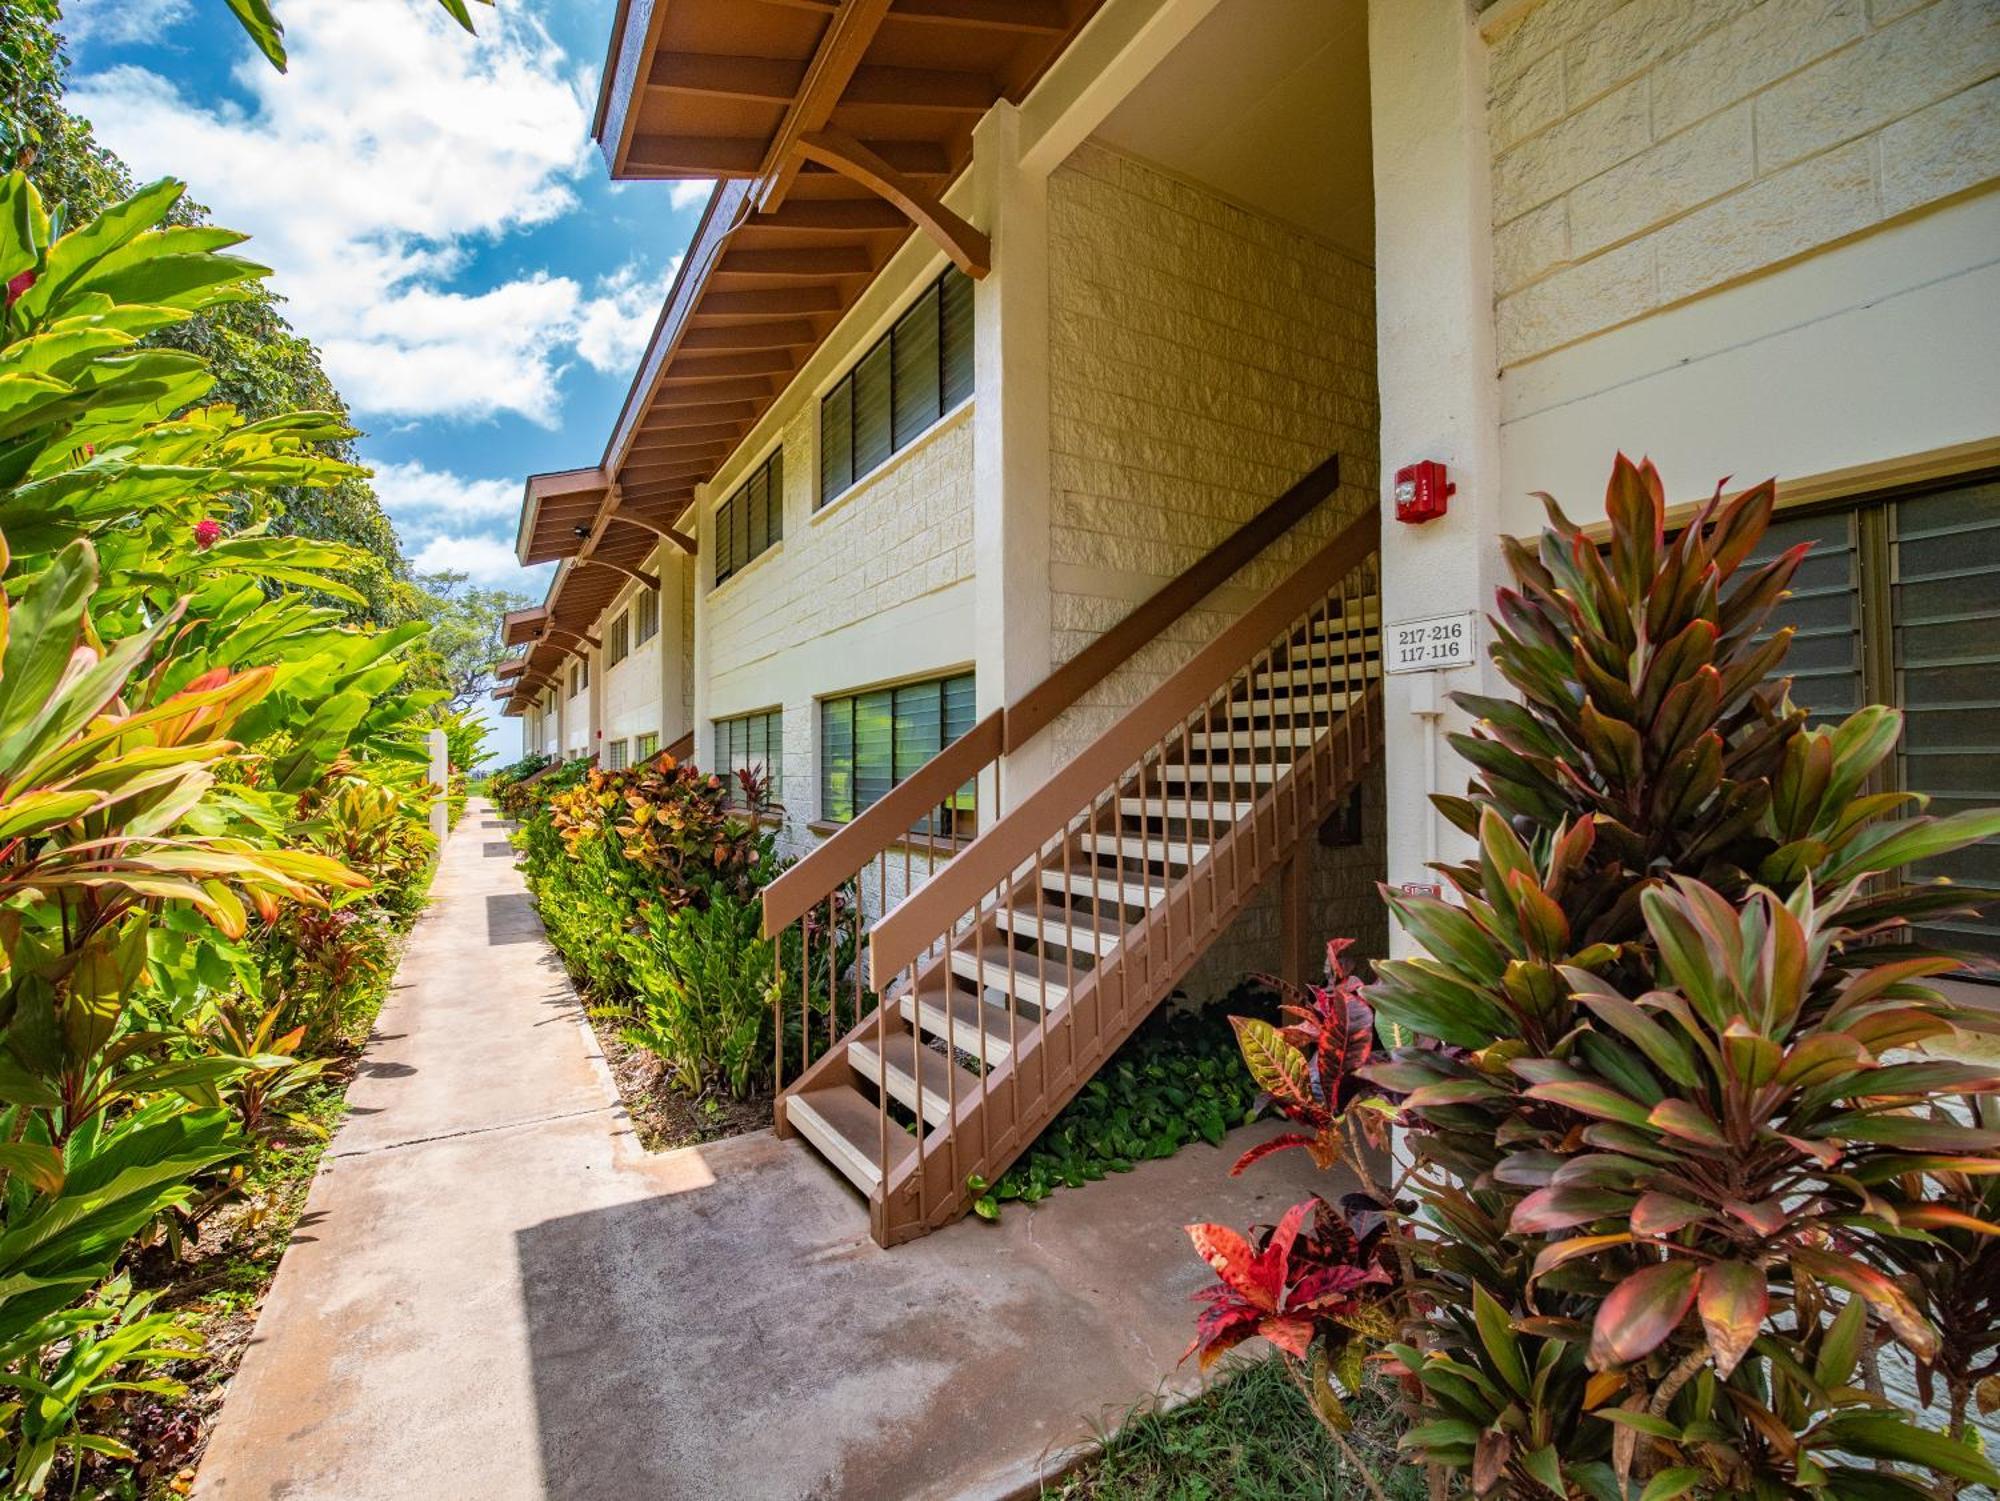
[(872, 588), (1646, 152), (1202, 358)]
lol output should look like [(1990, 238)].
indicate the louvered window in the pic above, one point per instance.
[(645, 747), (614, 755), (750, 521), (898, 390), (645, 616), (618, 640), (871, 741), (1899, 603), (751, 742)]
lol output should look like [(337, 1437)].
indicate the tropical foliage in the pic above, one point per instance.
[(202, 761), (1683, 1167)]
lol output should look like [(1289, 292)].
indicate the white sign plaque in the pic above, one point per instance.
[(1431, 643)]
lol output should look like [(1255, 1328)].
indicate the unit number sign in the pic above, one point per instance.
[(1433, 642)]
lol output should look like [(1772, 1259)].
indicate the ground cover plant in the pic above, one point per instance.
[(1679, 1166), (1250, 1437), (1176, 1080), (202, 756)]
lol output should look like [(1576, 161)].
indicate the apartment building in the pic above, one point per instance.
[(1013, 473)]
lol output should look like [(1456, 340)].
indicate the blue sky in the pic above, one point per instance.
[(437, 220)]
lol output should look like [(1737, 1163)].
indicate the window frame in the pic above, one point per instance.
[(726, 564), (770, 720), (842, 394), (646, 617), (829, 714), (618, 640)]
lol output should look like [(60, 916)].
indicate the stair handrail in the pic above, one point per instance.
[(889, 820), (914, 925)]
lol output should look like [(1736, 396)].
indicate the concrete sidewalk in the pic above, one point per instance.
[(497, 1293)]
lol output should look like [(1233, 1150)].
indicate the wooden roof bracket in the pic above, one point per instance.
[(575, 636), (659, 529), (969, 249), (637, 575)]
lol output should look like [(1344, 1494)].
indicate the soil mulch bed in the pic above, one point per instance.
[(664, 1115)]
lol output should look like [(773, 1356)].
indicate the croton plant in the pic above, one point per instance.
[(1684, 1161)]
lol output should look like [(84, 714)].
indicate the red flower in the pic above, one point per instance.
[(19, 285), (207, 532)]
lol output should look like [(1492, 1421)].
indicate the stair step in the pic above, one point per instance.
[(936, 1070), (1315, 679), (1264, 739), (1222, 810), (1132, 847), (1102, 888), (1351, 647), (1221, 771), (1291, 704), (1059, 926), (1356, 614), (1024, 976), (962, 1021), (847, 1128)]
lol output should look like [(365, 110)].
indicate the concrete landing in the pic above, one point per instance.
[(496, 1293)]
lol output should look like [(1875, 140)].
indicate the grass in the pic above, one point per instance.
[(1249, 1438)]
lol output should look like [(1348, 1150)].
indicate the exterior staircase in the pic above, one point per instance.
[(1021, 959)]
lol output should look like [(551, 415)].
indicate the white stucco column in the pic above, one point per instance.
[(1010, 436), (1437, 370), (672, 642)]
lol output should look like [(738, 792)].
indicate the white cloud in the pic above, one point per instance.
[(612, 327), (689, 192), (483, 559), (121, 21), (418, 498), (369, 174)]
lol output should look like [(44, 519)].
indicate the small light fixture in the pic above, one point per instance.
[(581, 532)]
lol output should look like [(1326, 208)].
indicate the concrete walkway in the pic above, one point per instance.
[(497, 1293)]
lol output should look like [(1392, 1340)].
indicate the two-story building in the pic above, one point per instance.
[(1011, 472)]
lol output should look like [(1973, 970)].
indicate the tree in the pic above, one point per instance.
[(262, 366), (262, 23), (465, 632)]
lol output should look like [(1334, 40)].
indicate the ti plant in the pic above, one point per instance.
[(1689, 1164)]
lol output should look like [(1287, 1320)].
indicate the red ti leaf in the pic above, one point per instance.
[(1640, 1313), (1659, 1213), (1733, 1302)]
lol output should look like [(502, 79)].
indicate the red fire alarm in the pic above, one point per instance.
[(1421, 491)]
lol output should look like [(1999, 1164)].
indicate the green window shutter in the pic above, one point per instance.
[(914, 358), (740, 530), (836, 759), (874, 747), (774, 750), (1947, 662), (757, 498), (919, 720), (874, 438), (955, 292), (776, 467), (836, 441), (725, 554)]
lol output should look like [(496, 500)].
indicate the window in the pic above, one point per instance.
[(618, 640), (916, 372), (1899, 603), (871, 741), (645, 747), (646, 616), (751, 740), (614, 755), (751, 520)]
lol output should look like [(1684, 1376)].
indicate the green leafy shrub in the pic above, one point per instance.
[(1669, 1154), (701, 975), (1176, 1080)]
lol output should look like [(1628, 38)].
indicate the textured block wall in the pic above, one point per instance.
[(1648, 151), (1202, 357), (899, 536)]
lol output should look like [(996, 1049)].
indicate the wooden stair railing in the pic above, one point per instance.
[(1014, 972), (816, 910)]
